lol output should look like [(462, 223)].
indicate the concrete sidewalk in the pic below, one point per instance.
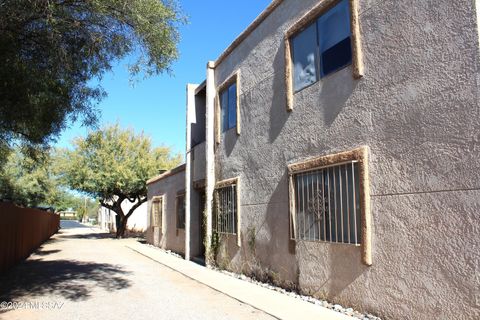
[(274, 303)]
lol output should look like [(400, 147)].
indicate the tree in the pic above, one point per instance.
[(85, 207), (28, 181), (51, 50), (113, 165)]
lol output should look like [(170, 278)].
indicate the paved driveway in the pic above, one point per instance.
[(82, 274)]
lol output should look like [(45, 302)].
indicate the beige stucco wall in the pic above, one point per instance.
[(199, 162), (137, 221), (417, 110), (171, 238)]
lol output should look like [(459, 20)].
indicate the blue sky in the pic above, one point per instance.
[(157, 105)]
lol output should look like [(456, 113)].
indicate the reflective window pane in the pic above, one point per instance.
[(228, 104), (304, 46), (224, 109), (232, 106)]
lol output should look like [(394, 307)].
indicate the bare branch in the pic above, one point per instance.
[(141, 200)]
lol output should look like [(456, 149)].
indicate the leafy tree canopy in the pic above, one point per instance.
[(26, 181), (51, 50), (113, 165), (35, 182)]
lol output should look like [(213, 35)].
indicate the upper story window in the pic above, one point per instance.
[(322, 47), (228, 105), (324, 40)]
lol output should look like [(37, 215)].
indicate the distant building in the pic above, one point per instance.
[(166, 194), (137, 221), (67, 214)]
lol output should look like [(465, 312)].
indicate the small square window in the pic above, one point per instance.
[(228, 105)]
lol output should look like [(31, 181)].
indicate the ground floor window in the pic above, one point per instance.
[(329, 200), (327, 204), (226, 209)]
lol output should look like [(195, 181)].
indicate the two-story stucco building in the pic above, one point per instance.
[(334, 148)]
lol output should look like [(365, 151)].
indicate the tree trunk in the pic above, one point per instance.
[(121, 226)]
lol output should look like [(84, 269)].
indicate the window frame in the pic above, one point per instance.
[(228, 183), (304, 22), (359, 155), (159, 223), (233, 79), (180, 194)]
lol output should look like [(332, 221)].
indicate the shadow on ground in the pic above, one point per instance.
[(70, 279), (46, 252)]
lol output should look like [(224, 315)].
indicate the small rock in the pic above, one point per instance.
[(337, 307)]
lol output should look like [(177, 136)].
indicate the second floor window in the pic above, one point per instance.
[(228, 105), (322, 47)]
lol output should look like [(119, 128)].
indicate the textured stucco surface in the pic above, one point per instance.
[(196, 212), (199, 162), (195, 168), (172, 238), (417, 110)]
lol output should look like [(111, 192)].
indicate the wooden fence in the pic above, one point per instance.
[(22, 230)]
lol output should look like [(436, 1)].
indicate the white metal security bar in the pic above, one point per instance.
[(226, 213), (327, 204)]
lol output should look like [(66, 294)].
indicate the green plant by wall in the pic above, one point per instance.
[(251, 234)]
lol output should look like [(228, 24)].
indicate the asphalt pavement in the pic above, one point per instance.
[(82, 273)]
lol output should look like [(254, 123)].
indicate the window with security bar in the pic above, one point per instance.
[(327, 204), (226, 210), (156, 212)]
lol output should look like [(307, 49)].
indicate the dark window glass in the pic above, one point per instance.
[(232, 106), (228, 104), (224, 107), (334, 38)]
